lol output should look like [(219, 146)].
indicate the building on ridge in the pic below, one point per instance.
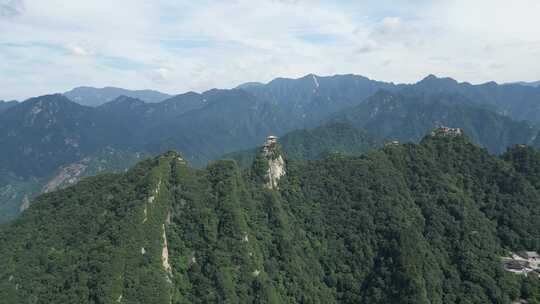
[(446, 131), (391, 143)]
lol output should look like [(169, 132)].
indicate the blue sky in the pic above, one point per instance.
[(177, 46)]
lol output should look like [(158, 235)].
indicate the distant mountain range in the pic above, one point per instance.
[(312, 97), (407, 117), (45, 132), (42, 134), (93, 97), (513, 100), (4, 105), (518, 100), (531, 84)]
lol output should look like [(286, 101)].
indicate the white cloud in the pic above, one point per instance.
[(390, 23), (175, 46), (161, 74), (78, 50)]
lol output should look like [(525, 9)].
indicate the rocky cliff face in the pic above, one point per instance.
[(276, 169), (276, 162)]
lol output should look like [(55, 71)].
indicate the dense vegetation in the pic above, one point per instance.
[(14, 193), (413, 223), (317, 143), (86, 243), (526, 160)]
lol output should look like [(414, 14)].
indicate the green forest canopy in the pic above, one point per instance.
[(412, 223)]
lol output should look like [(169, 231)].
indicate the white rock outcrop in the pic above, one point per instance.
[(276, 170), (165, 254), (25, 203), (276, 162)]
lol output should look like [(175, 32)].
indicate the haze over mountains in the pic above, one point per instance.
[(41, 135), (89, 96), (341, 90), (532, 83), (406, 117), (4, 105)]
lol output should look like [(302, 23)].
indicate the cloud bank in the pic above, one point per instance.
[(176, 46)]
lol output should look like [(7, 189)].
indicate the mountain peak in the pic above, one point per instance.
[(173, 156), (248, 85), (124, 100), (269, 165), (51, 99), (433, 77), (439, 83), (430, 77)]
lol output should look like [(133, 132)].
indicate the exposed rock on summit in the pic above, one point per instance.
[(276, 163)]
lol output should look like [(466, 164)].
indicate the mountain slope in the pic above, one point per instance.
[(317, 143), (407, 117), (105, 246), (530, 84), (230, 120), (526, 160), (4, 105), (136, 116), (240, 118), (93, 97), (514, 100), (16, 193), (423, 223), (311, 98), (43, 133)]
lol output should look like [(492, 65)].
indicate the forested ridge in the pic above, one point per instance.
[(412, 223), (317, 143), (314, 115)]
